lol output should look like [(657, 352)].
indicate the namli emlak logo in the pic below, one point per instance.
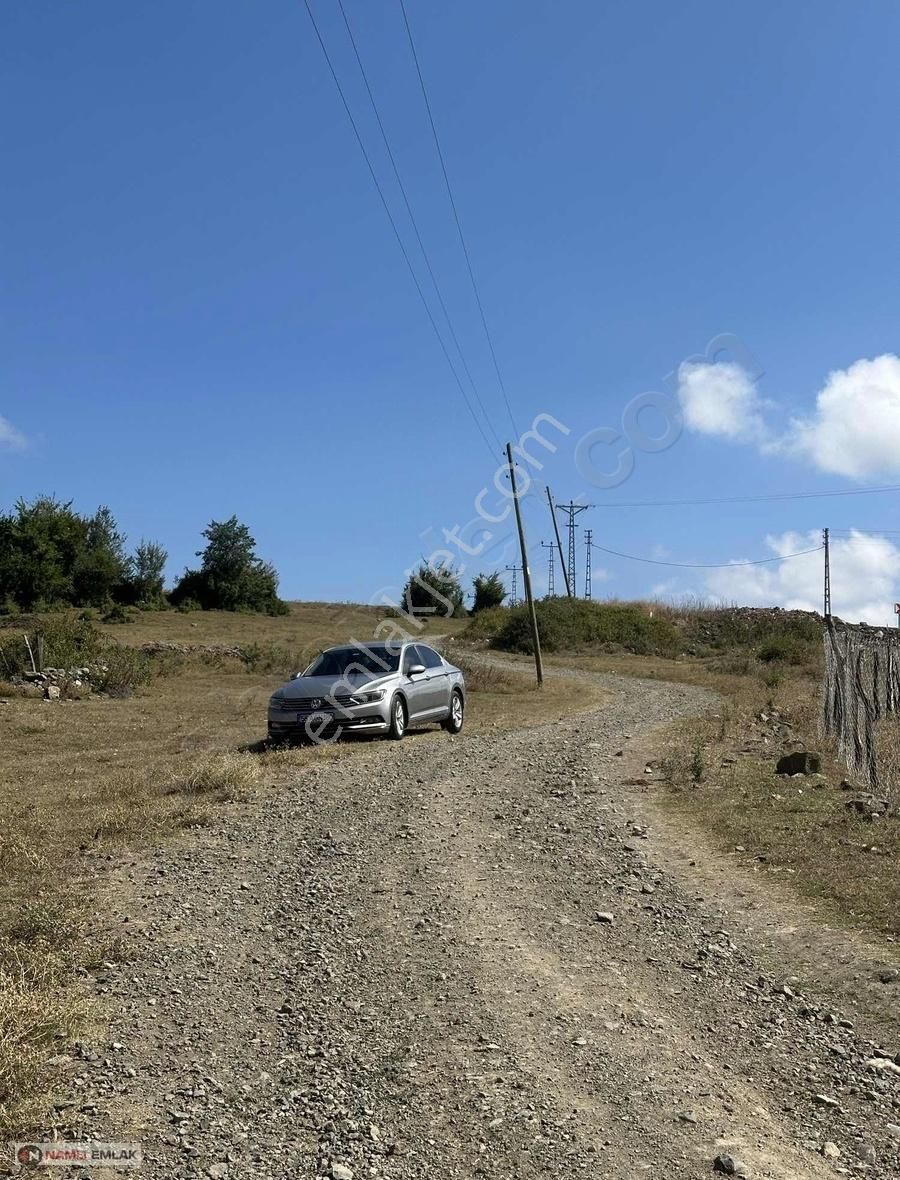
[(60, 1153)]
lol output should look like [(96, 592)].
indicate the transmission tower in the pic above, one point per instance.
[(550, 546), (587, 562), (515, 570), (572, 510)]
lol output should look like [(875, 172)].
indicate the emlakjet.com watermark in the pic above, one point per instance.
[(61, 1153)]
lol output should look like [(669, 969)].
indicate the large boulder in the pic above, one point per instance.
[(800, 762)]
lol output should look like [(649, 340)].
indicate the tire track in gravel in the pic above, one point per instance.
[(389, 967)]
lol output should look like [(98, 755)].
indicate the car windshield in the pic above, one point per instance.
[(378, 659)]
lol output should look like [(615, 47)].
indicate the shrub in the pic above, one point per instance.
[(487, 622), (489, 592), (434, 590), (572, 624), (67, 643), (789, 648), (120, 670), (117, 614)]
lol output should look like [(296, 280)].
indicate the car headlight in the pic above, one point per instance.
[(367, 698)]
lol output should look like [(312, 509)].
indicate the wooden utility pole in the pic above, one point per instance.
[(526, 572), (562, 560)]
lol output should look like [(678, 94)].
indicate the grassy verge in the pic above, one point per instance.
[(720, 776), (81, 777)]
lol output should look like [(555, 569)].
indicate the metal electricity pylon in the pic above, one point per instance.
[(572, 510), (515, 570), (550, 546)]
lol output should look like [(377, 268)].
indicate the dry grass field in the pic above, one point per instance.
[(81, 778), (307, 625)]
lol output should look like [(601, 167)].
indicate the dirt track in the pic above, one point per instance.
[(395, 967)]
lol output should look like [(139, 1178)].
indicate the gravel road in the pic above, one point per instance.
[(464, 957)]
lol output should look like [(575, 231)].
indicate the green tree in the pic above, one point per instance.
[(40, 543), (231, 576), (434, 590), (489, 591), (145, 575), (101, 568)]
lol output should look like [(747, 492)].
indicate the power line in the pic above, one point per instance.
[(415, 225), (437, 144), (868, 531), (704, 566), (751, 499), (415, 278)]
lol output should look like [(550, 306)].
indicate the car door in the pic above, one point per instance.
[(415, 687), (438, 680)]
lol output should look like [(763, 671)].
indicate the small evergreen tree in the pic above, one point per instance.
[(489, 591), (434, 590)]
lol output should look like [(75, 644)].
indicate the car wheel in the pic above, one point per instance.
[(454, 722), (398, 718)]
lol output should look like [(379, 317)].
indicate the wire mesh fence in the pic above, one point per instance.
[(860, 700)]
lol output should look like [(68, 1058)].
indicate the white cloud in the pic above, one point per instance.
[(855, 430), (721, 399), (865, 578), (10, 436)]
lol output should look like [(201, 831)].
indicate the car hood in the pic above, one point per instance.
[(305, 687)]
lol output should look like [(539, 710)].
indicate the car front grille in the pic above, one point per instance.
[(304, 706)]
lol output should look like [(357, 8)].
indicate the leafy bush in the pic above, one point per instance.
[(789, 648), (74, 642), (487, 622), (572, 624), (68, 642), (117, 614), (120, 670)]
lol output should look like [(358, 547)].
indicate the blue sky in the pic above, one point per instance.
[(204, 310)]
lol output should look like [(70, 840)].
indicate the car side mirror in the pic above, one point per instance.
[(416, 670)]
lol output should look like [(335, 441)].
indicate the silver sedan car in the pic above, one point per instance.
[(369, 688)]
